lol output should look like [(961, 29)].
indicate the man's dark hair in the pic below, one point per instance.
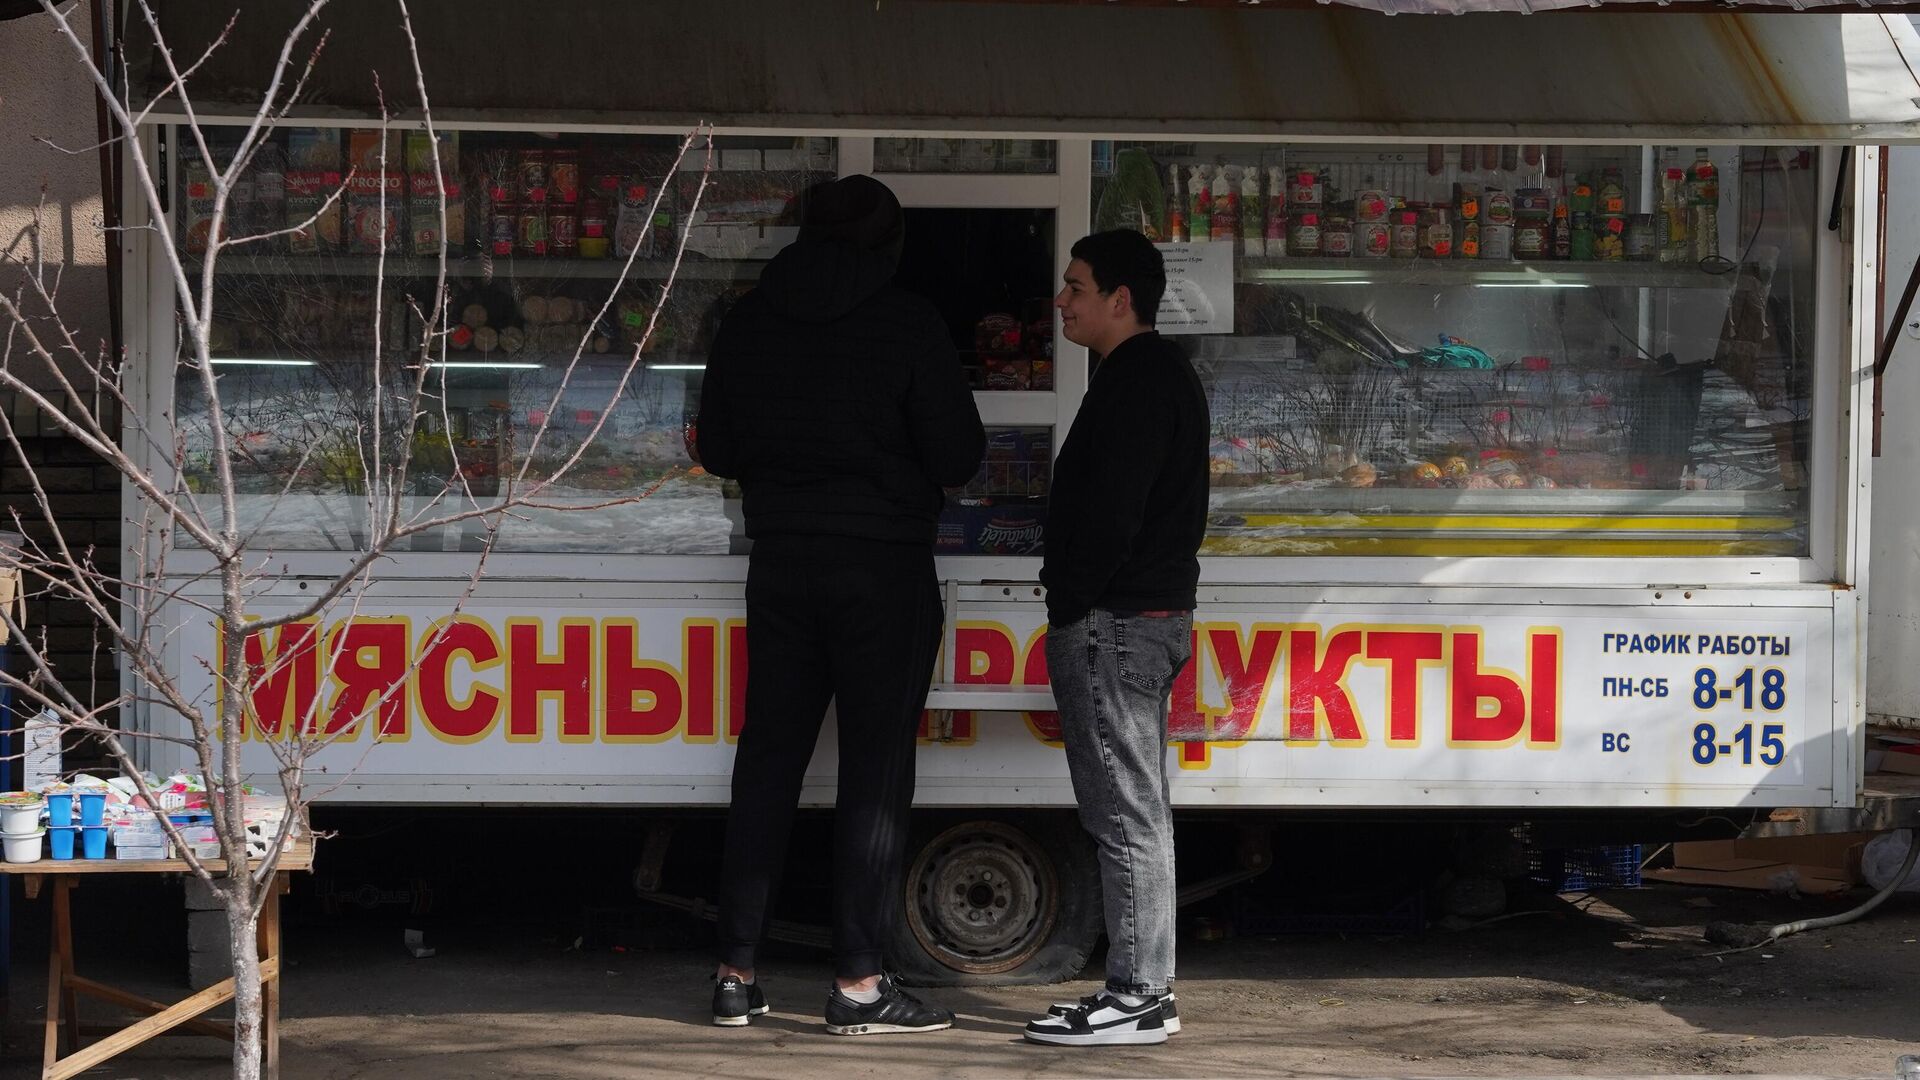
[(1123, 257)]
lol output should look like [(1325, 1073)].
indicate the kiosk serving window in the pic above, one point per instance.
[(1490, 350)]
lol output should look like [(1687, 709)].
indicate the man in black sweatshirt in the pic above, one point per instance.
[(1124, 525), (837, 400)]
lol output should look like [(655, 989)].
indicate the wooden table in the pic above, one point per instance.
[(64, 986)]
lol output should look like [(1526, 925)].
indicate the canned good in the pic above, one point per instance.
[(502, 228), (531, 239), (1405, 241), (1640, 239), (563, 176), (1500, 209), (1303, 235), (1496, 242), (1373, 239), (563, 230), (1371, 206), (533, 175)]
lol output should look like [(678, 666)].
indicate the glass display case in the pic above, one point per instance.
[(557, 247), (1493, 350)]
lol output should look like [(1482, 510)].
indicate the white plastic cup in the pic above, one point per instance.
[(26, 848), (21, 817)]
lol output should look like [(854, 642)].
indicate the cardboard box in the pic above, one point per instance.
[(1812, 865)]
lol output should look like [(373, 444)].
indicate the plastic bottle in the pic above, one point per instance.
[(1177, 229), (1703, 198), (1199, 203), (1276, 211), (1674, 247), (1252, 222)]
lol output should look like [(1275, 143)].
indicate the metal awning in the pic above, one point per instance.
[(1106, 70)]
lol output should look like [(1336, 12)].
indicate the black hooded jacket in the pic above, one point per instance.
[(836, 398)]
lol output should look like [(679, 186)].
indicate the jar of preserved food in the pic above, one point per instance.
[(1336, 237), (1436, 233), (1405, 241), (1303, 235)]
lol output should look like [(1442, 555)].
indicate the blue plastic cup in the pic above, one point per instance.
[(60, 810), (93, 808), (60, 841), (93, 841)]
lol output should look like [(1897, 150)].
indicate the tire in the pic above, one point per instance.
[(1009, 902)]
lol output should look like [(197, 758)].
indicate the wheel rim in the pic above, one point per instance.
[(982, 898)]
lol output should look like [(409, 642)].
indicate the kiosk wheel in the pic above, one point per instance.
[(990, 902)]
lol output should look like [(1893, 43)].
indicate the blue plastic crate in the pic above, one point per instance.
[(1567, 870)]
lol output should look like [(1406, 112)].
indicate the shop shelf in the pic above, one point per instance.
[(694, 268), (1438, 272)]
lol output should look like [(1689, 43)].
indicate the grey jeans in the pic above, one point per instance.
[(1112, 675)]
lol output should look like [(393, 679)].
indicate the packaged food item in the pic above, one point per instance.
[(313, 150), (1640, 242), (630, 231), (1373, 239), (1405, 243), (1436, 233), (1530, 240), (533, 176), (196, 225), (371, 151), (374, 211), (1253, 236), (1672, 229), (563, 229), (1006, 372), (1499, 207), (1133, 198), (530, 236), (1226, 205), (503, 228), (1178, 231), (420, 153), (1703, 199), (1304, 191), (596, 239), (1199, 201), (1336, 237), (1467, 244), (1276, 211), (423, 212), (1466, 202), (563, 176), (1303, 235), (1371, 205), (1560, 235), (1496, 242), (307, 193)]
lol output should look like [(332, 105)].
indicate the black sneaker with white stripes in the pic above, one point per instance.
[(896, 1012), (1169, 1010), (1102, 1020), (734, 1002)]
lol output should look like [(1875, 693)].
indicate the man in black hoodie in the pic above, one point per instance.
[(837, 400), (1124, 525)]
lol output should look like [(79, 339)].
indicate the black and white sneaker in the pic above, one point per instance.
[(1102, 1020), (734, 1002), (1169, 1010), (896, 1011)]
